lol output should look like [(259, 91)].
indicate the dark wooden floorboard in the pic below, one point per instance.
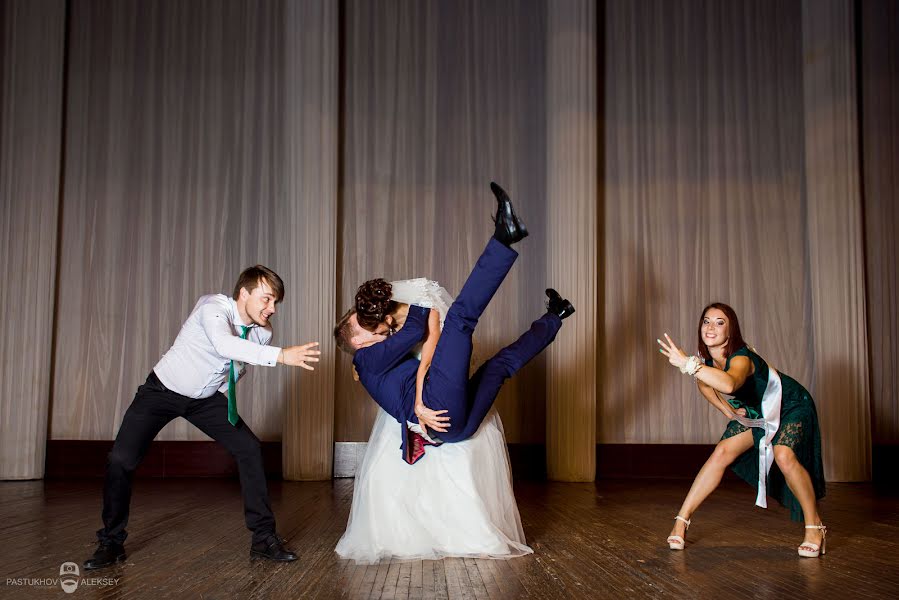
[(604, 540)]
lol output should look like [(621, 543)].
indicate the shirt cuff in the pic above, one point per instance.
[(270, 356)]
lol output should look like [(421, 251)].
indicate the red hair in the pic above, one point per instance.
[(734, 336)]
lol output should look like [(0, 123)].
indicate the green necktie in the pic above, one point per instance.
[(232, 384)]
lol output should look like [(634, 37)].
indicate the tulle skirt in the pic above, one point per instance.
[(456, 501)]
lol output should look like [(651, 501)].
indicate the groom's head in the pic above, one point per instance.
[(351, 337)]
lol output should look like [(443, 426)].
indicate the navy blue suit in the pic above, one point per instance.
[(387, 370)]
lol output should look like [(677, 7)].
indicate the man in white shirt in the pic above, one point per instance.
[(195, 380)]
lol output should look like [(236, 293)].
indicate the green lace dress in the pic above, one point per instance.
[(798, 430)]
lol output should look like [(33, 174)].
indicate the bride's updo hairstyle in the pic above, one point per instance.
[(373, 303)]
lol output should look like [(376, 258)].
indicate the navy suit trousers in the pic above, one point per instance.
[(448, 386)]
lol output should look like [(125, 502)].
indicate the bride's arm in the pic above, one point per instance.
[(426, 417)]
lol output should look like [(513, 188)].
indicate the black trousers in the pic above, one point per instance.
[(153, 407)]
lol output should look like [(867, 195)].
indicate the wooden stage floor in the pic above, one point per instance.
[(602, 540)]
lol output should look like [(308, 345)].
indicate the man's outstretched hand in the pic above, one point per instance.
[(298, 356)]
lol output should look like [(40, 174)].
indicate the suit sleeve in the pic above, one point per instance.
[(385, 355)]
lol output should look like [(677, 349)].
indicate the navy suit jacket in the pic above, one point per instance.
[(387, 370)]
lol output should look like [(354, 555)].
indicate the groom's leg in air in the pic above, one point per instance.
[(448, 375), (486, 383), (447, 380)]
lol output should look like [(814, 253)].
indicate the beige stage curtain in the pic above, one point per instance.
[(203, 137), (706, 199), (201, 140), (880, 132), (310, 197), (836, 238), (32, 34), (572, 212)]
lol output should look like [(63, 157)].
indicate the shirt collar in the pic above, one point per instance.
[(235, 315)]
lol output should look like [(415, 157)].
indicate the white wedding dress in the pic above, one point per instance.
[(457, 500)]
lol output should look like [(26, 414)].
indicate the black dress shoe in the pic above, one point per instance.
[(509, 228), (273, 549), (107, 554), (558, 305)]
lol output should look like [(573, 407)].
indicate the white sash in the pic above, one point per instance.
[(770, 423)]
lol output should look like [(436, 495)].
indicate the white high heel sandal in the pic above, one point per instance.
[(816, 550), (676, 542)]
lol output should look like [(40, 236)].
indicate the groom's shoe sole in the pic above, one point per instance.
[(509, 228)]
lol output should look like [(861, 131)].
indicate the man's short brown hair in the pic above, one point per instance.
[(251, 277), (344, 332)]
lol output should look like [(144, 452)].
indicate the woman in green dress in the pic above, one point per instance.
[(772, 441)]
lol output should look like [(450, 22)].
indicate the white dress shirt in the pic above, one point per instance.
[(198, 362)]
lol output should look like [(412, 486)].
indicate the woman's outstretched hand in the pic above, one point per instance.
[(675, 355), (432, 419)]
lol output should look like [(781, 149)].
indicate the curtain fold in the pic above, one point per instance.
[(840, 382), (32, 36), (309, 235), (571, 244), (880, 132)]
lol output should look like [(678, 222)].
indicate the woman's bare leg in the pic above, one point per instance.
[(725, 453), (801, 485)]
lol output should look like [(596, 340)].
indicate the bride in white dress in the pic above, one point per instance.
[(456, 501)]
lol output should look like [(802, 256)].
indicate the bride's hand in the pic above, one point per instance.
[(675, 355), (432, 419), (734, 413)]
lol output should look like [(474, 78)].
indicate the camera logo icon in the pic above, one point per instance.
[(69, 577)]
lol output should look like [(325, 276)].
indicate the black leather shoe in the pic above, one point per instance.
[(558, 305), (273, 549), (509, 228), (107, 554)]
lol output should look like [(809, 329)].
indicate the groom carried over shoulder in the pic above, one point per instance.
[(436, 392)]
